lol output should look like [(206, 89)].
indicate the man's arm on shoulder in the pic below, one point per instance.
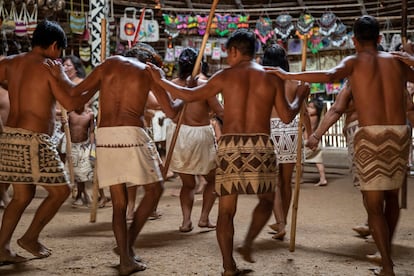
[(404, 57), (331, 116), (342, 70), (202, 92), (216, 107), (169, 106)]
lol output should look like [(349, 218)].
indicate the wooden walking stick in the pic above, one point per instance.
[(194, 73), (404, 41), (298, 159), (95, 189), (69, 158)]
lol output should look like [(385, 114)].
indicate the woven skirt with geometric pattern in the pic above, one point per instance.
[(381, 156), (246, 165), (27, 157)]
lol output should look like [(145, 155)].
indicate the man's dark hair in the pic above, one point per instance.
[(366, 28), (275, 55), (244, 41), (186, 62), (77, 63), (48, 32), (144, 53)]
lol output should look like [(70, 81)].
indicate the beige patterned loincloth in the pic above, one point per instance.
[(82, 166), (126, 155), (285, 139), (349, 132), (27, 157), (381, 156), (194, 151), (246, 165)]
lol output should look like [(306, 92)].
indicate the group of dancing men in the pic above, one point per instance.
[(245, 158)]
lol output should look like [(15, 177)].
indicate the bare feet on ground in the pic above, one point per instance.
[(205, 224), (132, 267), (246, 253), (186, 227), (35, 248), (135, 257), (7, 257)]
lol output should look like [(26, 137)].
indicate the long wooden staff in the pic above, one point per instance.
[(194, 73), (69, 157), (95, 188), (298, 159), (404, 41)]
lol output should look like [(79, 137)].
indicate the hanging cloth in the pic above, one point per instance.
[(222, 23), (77, 20), (32, 21), (284, 25), (264, 29), (243, 22), (171, 22), (339, 37), (8, 25), (21, 21), (304, 25), (327, 23), (202, 24)]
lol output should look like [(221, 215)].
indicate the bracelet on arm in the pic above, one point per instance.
[(315, 136)]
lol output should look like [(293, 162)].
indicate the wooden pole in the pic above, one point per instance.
[(194, 73), (69, 158), (404, 42), (95, 192), (298, 160)]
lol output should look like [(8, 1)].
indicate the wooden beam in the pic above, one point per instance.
[(362, 7)]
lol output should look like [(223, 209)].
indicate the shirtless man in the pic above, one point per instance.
[(82, 125), (195, 149), (285, 140), (246, 158), (124, 151), (33, 94), (377, 86), (4, 113)]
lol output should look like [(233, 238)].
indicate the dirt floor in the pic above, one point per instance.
[(325, 242)]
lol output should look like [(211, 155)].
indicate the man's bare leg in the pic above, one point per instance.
[(22, 196), (260, 216), (147, 205), (225, 230), (132, 195), (374, 202), (209, 197), (44, 214), (4, 196), (187, 200), (127, 264)]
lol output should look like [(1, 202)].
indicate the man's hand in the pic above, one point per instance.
[(312, 142), (278, 72), (303, 90), (404, 57), (156, 72), (55, 67)]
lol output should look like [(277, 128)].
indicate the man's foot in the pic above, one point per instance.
[(246, 253), (131, 268), (136, 257), (276, 226), (321, 183), (376, 258), (186, 228), (35, 248), (231, 272), (280, 235), (381, 272), (155, 215), (104, 202), (11, 258), (362, 230), (206, 224)]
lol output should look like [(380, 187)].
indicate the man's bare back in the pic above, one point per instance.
[(124, 86), (80, 125)]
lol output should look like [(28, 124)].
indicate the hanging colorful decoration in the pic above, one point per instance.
[(264, 29), (327, 23), (284, 25), (304, 25), (171, 23)]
